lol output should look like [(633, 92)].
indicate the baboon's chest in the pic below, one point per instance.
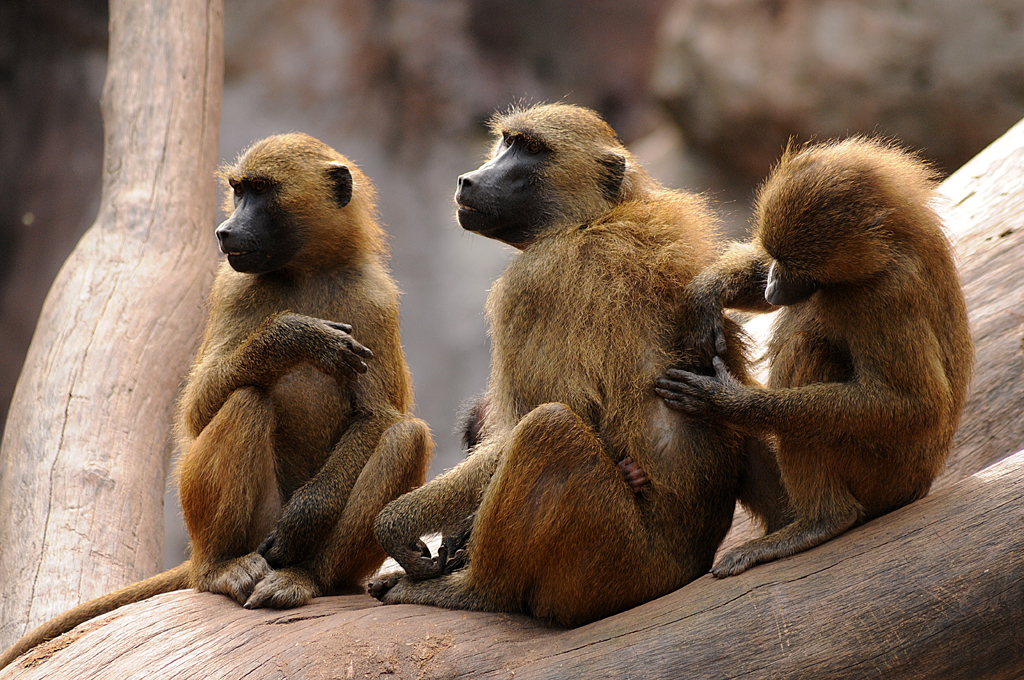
[(311, 413)]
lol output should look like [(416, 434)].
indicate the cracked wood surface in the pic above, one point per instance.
[(933, 590), (86, 446)]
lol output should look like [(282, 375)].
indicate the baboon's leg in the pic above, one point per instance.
[(557, 532), (761, 490), (229, 494), (351, 552), (817, 521)]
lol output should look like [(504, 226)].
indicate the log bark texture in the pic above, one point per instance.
[(933, 590), (985, 215), (86, 446)]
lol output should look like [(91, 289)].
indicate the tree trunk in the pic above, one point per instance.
[(933, 590), (86, 446)]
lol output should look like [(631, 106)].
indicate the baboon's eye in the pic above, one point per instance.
[(507, 139), (260, 186), (533, 146)]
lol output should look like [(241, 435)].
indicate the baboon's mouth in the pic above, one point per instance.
[(463, 206), (238, 253)]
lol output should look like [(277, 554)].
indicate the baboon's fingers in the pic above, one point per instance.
[(353, 350), (634, 475), (424, 568), (681, 384), (353, 356), (267, 544), (339, 326), (358, 350), (683, 403), (458, 561), (417, 562), (238, 577), (282, 590), (720, 345), (722, 372), (277, 552)]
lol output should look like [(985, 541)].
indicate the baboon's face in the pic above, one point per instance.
[(256, 237), (263, 233), (783, 289), (504, 199)]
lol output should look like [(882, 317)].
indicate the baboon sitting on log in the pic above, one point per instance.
[(584, 318), (286, 456), (871, 352)]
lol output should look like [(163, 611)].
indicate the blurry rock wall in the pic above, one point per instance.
[(706, 92)]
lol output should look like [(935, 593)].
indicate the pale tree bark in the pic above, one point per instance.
[(933, 590), (86, 445)]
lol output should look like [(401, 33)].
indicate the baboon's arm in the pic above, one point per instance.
[(274, 348)]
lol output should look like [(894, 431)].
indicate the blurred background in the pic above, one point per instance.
[(705, 92)]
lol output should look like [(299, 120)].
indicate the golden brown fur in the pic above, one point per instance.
[(868, 374), (280, 443), (581, 322)]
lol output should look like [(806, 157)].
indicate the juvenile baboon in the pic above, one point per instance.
[(286, 456), (583, 319), (870, 354)]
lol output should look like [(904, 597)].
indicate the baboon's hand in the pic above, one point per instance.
[(277, 551), (303, 525), (348, 355), (454, 543), (379, 587), (708, 334), (328, 345), (698, 395)]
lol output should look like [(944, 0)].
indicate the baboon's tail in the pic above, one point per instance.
[(172, 579)]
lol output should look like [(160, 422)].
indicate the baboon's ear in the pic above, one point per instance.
[(614, 166), (341, 181)]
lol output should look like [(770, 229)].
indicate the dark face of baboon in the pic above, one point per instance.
[(546, 168), (264, 232)]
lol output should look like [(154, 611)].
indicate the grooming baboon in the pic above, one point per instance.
[(871, 353), (583, 319), (286, 457)]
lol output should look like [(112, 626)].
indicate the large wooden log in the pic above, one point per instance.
[(935, 589), (86, 446), (985, 215)]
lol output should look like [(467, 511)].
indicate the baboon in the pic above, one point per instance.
[(870, 354), (285, 455), (584, 318)]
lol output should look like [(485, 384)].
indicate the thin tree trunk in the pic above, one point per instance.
[(86, 446)]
